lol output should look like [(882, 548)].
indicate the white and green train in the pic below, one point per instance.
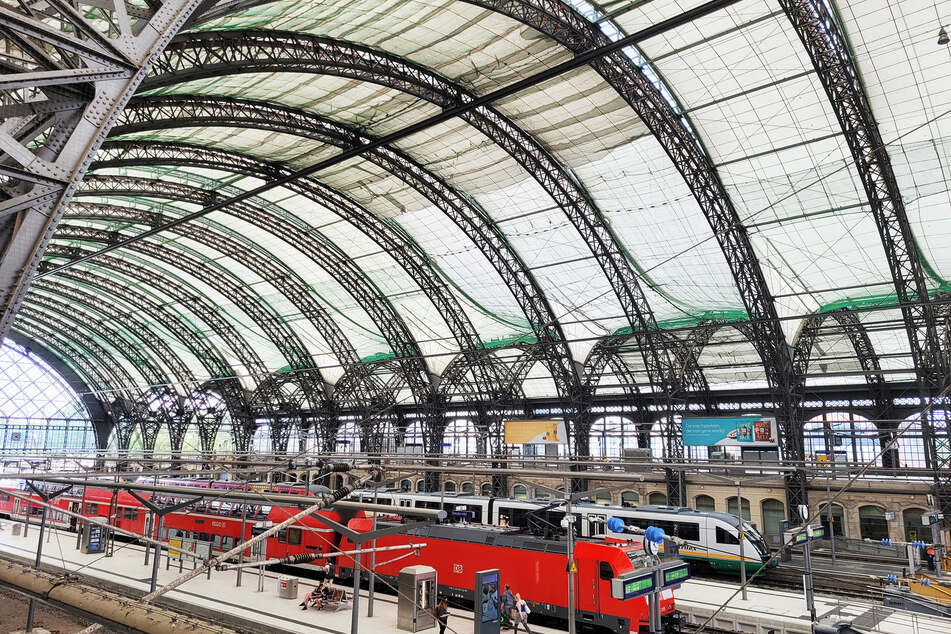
[(712, 539)]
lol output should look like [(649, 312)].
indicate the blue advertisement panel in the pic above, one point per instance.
[(730, 431)]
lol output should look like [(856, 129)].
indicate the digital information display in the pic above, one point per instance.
[(633, 586), (676, 575)]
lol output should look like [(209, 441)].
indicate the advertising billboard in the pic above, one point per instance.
[(525, 432), (730, 431)]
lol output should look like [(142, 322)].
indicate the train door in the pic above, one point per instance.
[(74, 507), (596, 524), (601, 580)]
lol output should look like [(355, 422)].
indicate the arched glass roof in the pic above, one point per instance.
[(688, 195)]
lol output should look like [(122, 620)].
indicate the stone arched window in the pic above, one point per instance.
[(872, 522), (836, 524), (630, 498), (705, 503), (731, 507)]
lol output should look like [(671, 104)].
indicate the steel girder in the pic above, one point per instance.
[(55, 54), (151, 113), (221, 372), (319, 250), (824, 41), (136, 327), (256, 51)]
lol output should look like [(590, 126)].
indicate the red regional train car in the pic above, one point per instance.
[(534, 567)]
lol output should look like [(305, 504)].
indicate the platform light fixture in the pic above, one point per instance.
[(943, 36)]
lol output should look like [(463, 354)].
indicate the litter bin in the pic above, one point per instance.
[(287, 587), (17, 528)]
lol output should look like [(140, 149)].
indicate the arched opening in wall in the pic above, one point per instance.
[(658, 449), (705, 503), (603, 498), (468, 488), (487, 488), (520, 492), (911, 443), (449, 486), (406, 485), (914, 529), (611, 435), (837, 526), (461, 438), (413, 439), (39, 411), (348, 437), (630, 498), (420, 484), (774, 512), (541, 494), (731, 507), (872, 522), (657, 498), (843, 437), (261, 441)]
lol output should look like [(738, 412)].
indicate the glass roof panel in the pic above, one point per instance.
[(748, 87), (907, 78)]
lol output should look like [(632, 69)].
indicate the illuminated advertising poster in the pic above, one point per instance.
[(535, 432), (730, 431)]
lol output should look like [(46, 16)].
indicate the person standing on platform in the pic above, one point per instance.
[(521, 613), (442, 616), (508, 607)]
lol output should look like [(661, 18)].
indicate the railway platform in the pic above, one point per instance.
[(246, 609), (242, 609)]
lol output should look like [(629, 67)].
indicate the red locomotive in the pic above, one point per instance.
[(535, 567)]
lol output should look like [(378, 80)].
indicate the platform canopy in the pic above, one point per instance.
[(752, 197)]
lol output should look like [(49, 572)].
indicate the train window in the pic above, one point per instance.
[(606, 571), (217, 542), (723, 537), (282, 536), (688, 530), (293, 536), (172, 533), (92, 509), (205, 537), (227, 542)]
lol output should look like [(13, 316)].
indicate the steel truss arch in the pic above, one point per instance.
[(286, 281), (59, 55), (394, 242), (179, 259), (162, 112), (154, 375), (318, 250), (221, 372), (93, 375), (822, 38), (370, 65), (137, 328)]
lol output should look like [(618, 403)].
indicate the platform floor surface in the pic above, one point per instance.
[(127, 567), (272, 613)]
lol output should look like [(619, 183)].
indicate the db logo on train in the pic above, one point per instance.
[(457, 569)]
